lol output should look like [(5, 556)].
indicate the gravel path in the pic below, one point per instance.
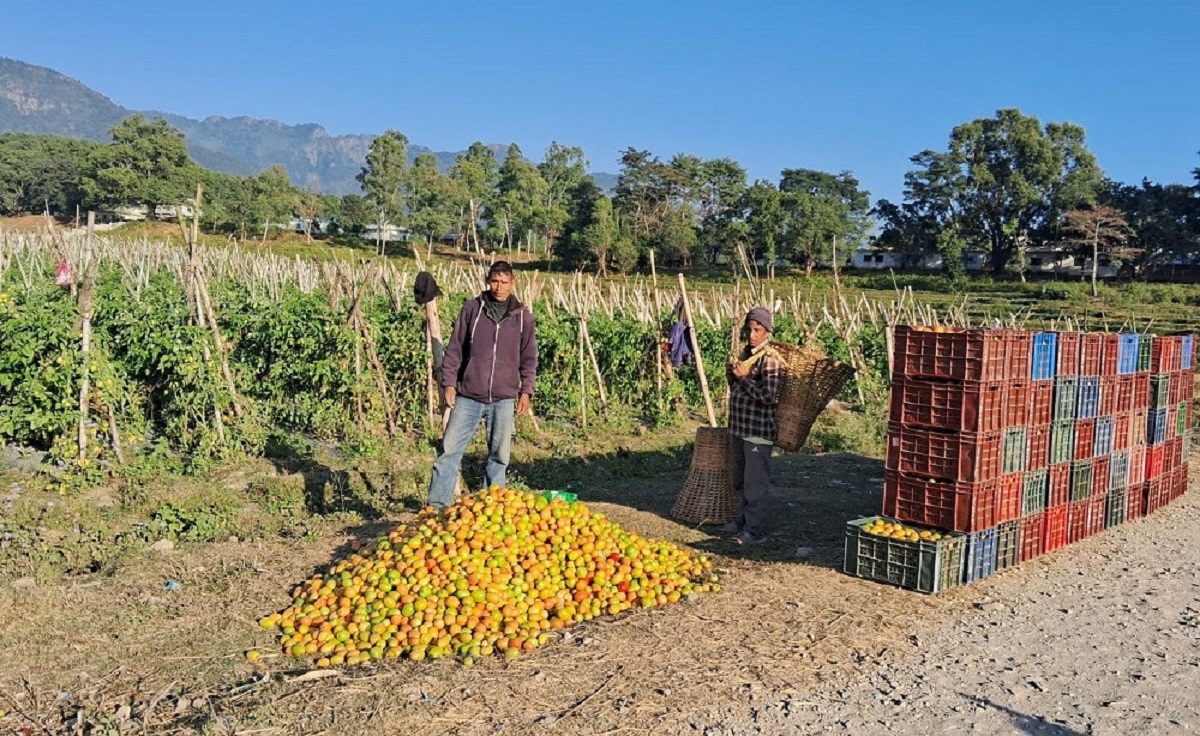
[(1102, 637)]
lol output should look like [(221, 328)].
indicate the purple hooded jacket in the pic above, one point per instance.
[(489, 362)]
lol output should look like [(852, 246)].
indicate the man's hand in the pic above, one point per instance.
[(523, 403), (740, 370), (448, 394)]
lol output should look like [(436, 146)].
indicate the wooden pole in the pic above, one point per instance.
[(687, 314), (85, 313), (582, 383), (587, 337)]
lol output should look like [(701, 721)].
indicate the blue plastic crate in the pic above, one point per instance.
[(980, 555), (1187, 352), (1045, 355), (1127, 355), (1102, 438), (1156, 426), (1087, 397)]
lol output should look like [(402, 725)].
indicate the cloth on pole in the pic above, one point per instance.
[(425, 288), (681, 349)]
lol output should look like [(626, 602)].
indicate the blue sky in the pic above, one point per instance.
[(855, 85)]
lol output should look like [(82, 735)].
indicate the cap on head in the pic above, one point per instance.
[(761, 316)]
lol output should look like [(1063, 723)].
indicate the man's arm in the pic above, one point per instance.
[(529, 363)]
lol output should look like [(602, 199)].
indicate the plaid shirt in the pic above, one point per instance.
[(752, 399)]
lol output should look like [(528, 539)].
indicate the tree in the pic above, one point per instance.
[(146, 164), (822, 209), (1164, 219), (765, 218), (1099, 229), (564, 169), (270, 198), (520, 207), (432, 207), (1002, 178), (40, 173), (476, 175), (384, 179)]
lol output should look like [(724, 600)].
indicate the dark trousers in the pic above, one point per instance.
[(750, 467)]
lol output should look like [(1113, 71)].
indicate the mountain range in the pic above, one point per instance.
[(35, 99)]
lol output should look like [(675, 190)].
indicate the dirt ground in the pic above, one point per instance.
[(1101, 637)]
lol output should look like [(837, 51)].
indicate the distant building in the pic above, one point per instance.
[(391, 234)]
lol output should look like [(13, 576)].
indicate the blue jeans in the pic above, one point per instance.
[(464, 420)]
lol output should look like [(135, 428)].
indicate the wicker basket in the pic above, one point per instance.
[(707, 495), (810, 380)]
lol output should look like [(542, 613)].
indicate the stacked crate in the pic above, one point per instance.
[(1168, 424), (1014, 443), (959, 436)]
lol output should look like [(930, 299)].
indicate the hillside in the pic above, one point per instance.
[(35, 99)]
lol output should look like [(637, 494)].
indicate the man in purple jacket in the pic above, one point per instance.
[(487, 373)]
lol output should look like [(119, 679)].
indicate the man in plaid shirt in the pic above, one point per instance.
[(753, 394)]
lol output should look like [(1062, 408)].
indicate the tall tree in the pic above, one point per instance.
[(432, 203), (823, 210), (476, 174), (384, 179), (520, 208), (564, 169), (146, 164), (1002, 178)]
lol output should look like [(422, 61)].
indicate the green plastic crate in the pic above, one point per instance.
[(1033, 495), (1160, 390), (1016, 444), (1181, 419), (1081, 480), (1062, 441), (1143, 359), (1008, 545), (926, 567), (1065, 388), (565, 496), (1115, 507)]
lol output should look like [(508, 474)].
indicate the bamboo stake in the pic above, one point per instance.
[(582, 384), (687, 312), (85, 313), (587, 337)]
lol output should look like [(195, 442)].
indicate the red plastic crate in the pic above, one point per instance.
[(1137, 426), (1037, 452), (1008, 497), (971, 406), (1041, 402), (1164, 355), (1077, 520), (1095, 516), (958, 354), (1175, 387), (963, 456), (1031, 536), (1156, 494), (1172, 416), (1135, 502), (1067, 358), (1108, 396), (1085, 431), (1054, 528), (959, 507), (1060, 485), (1124, 389), (1155, 455), (1120, 431), (1100, 471), (1179, 480), (1017, 404), (1141, 391), (1172, 453), (1111, 355), (1137, 466), (1091, 353)]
